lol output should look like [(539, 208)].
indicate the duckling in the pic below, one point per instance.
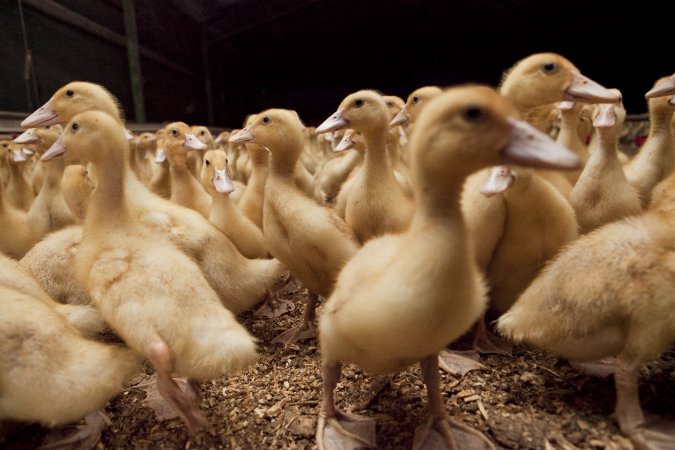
[(414, 103), (332, 176), (376, 203), (76, 187), (309, 239), (51, 373), (196, 159), (146, 144), (570, 116), (240, 282), (603, 194), (252, 200), (49, 211), (19, 191), (224, 214), (609, 293), (160, 183), (18, 236), (149, 292), (352, 139), (221, 140), (185, 188), (401, 172), (656, 158), (404, 296)]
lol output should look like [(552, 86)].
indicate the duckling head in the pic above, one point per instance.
[(93, 136), (43, 137), (414, 104), (146, 141), (71, 99), (214, 176), (664, 87), (203, 134), (351, 139), (179, 140), (280, 130), (609, 115), (547, 78), (362, 111), (394, 104), (471, 127)]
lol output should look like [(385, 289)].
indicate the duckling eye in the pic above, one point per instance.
[(415, 100), (174, 132), (48, 127), (207, 162), (549, 67), (266, 120), (201, 133), (358, 103), (473, 114), (75, 127), (70, 93), (389, 103)]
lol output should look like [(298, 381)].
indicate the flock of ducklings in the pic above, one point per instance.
[(412, 220)]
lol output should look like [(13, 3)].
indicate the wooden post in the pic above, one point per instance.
[(134, 60)]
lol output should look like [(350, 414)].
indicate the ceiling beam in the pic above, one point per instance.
[(56, 11)]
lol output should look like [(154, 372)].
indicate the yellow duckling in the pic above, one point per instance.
[(376, 203), (404, 296), (656, 158), (309, 239), (51, 373), (196, 159), (414, 104), (609, 293), (160, 183), (603, 194), (352, 139), (76, 187), (569, 136), (19, 190), (240, 282), (146, 144), (186, 190), (17, 235), (49, 211), (252, 200), (332, 176), (149, 292), (225, 214), (401, 171)]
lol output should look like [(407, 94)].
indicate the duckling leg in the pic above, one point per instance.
[(485, 342), (159, 355), (338, 430), (629, 412), (86, 436), (194, 391), (439, 431), (601, 368), (273, 307), (306, 329)]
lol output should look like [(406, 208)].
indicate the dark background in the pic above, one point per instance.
[(308, 54)]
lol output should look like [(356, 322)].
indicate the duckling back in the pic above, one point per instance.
[(49, 372)]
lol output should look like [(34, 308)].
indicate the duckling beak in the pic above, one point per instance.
[(192, 143), (57, 150), (565, 105), (160, 156), (26, 137), (128, 134), (531, 147), (17, 156), (241, 136), (400, 118), (41, 117), (585, 90), (222, 182), (665, 87), (333, 123), (605, 117), (345, 144), (27, 151), (218, 139), (499, 180)]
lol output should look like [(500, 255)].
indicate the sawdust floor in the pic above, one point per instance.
[(530, 401)]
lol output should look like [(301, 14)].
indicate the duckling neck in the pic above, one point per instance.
[(259, 155), (108, 205), (284, 158), (569, 120), (659, 123), (439, 199), (607, 139), (376, 153), (53, 173)]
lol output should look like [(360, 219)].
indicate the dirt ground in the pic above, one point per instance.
[(530, 401)]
